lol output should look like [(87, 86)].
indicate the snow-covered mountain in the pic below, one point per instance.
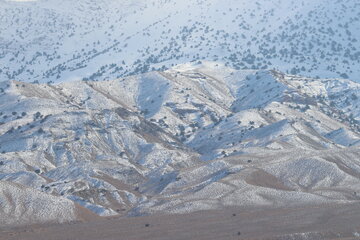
[(45, 40), (196, 136)]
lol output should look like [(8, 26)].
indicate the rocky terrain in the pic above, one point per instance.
[(43, 41), (198, 136)]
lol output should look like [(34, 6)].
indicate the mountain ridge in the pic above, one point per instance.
[(163, 141)]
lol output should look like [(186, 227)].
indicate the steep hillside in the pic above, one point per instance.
[(96, 40), (197, 136)]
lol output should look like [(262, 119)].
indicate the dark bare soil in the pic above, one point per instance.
[(316, 222)]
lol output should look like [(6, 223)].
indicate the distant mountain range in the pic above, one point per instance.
[(46, 41), (197, 136)]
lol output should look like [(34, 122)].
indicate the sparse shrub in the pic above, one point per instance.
[(41, 131)]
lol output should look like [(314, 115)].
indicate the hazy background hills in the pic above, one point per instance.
[(46, 41)]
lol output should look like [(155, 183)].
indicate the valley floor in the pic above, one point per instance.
[(316, 222)]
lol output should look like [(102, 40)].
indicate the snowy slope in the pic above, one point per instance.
[(46, 41), (196, 136), (21, 206)]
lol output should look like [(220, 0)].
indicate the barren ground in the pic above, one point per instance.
[(316, 222)]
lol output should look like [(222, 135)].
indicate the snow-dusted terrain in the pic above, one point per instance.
[(197, 136), (46, 41), (22, 206)]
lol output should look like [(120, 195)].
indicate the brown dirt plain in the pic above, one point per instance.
[(339, 221)]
